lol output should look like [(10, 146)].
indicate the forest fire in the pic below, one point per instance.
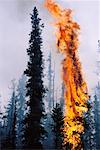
[(75, 87)]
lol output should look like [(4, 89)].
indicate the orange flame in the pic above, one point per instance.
[(75, 87)]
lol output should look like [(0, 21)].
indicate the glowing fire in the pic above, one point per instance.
[(75, 87)]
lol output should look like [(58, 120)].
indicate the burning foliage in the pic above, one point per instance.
[(75, 87)]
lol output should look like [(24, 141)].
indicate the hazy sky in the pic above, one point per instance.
[(15, 27)]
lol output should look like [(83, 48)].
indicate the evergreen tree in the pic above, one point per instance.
[(48, 142), (88, 138), (34, 129), (97, 101), (10, 142), (97, 117), (21, 93), (50, 85), (3, 132), (58, 126)]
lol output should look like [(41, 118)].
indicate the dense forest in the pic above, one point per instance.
[(34, 117)]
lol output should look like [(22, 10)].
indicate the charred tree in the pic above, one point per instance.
[(50, 84)]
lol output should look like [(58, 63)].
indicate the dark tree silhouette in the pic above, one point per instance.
[(58, 126), (88, 138), (97, 117), (34, 129)]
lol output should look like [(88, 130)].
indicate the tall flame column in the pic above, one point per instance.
[(75, 94)]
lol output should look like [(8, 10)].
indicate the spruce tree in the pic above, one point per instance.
[(34, 129), (58, 126), (88, 138), (97, 117), (21, 92), (10, 142)]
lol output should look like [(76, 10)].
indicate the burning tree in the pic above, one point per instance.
[(75, 94)]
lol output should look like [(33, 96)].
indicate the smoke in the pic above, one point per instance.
[(23, 8), (15, 27)]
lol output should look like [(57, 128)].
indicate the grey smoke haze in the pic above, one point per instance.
[(15, 27)]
